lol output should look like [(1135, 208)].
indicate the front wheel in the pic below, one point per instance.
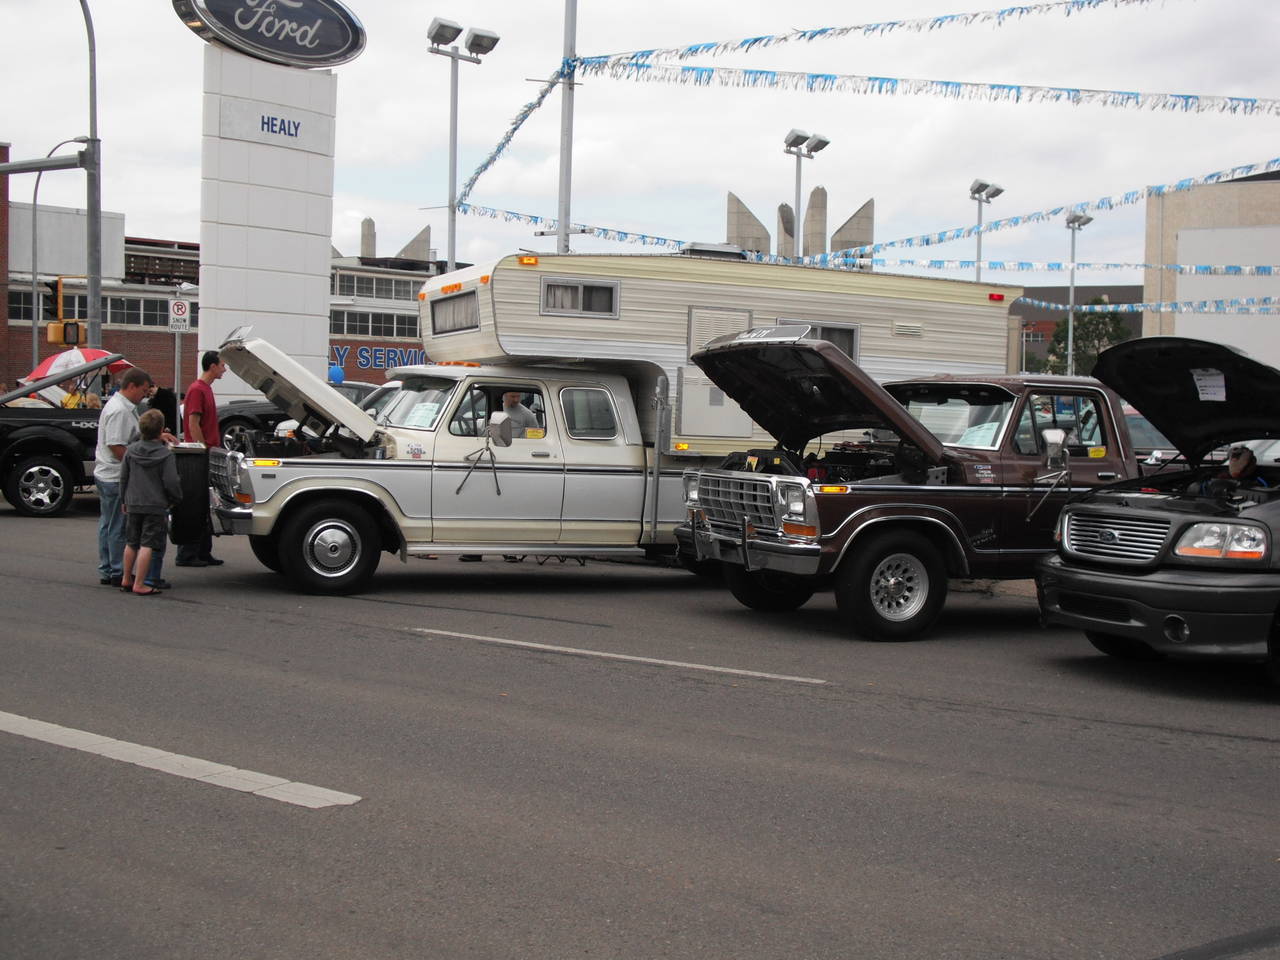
[(40, 486), (892, 587), (330, 546), (1122, 648), (767, 590)]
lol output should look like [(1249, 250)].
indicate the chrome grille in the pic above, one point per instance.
[(222, 472), (1130, 539), (727, 499)]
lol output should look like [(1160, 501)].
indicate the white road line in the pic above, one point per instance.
[(192, 768), (579, 652)]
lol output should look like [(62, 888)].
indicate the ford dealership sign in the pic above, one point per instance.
[(299, 33)]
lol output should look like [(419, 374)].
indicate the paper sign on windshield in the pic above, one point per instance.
[(1210, 384)]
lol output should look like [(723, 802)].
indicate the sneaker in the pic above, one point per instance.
[(109, 581), (212, 561), (191, 563)]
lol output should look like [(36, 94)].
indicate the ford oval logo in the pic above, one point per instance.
[(1109, 536), (298, 33)]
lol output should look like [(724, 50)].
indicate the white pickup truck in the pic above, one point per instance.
[(565, 470)]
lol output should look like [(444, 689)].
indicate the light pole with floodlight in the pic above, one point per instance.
[(35, 272), (442, 33), (1075, 223), (984, 192), (803, 146)]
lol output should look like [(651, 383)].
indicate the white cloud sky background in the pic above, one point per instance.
[(660, 159)]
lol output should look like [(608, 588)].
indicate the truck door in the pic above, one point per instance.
[(485, 493), (1032, 507), (604, 476)]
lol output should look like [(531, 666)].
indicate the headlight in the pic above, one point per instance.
[(1223, 541), (690, 488), (791, 498)]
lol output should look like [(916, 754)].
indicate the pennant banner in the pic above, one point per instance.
[(995, 18), (551, 223), (1233, 305), (952, 89), (516, 124)]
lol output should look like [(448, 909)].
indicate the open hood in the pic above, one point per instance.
[(292, 387), (799, 389), (1200, 395)]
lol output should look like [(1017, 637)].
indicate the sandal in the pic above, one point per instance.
[(126, 587), (149, 592)]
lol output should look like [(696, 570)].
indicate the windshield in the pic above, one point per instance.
[(960, 415), (1143, 434), (418, 402)]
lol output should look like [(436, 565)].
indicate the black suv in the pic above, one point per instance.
[(1182, 562)]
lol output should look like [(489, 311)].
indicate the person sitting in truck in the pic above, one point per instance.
[(521, 417)]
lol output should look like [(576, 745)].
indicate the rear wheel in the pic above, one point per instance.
[(893, 586), (767, 590), (267, 550), (330, 546), (1122, 648), (40, 486)]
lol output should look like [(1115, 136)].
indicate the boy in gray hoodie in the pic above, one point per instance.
[(149, 485)]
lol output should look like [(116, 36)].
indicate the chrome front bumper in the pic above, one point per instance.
[(748, 550), (227, 518)]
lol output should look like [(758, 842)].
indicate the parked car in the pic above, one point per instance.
[(1182, 563), (239, 418)]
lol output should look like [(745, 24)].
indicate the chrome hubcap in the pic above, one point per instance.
[(40, 488), (331, 548), (899, 587)]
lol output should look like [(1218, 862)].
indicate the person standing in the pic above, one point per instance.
[(149, 485), (200, 425), (117, 428)]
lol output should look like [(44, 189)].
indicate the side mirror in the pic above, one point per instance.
[(498, 430), (1055, 448)]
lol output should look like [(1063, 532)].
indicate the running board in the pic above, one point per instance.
[(521, 549)]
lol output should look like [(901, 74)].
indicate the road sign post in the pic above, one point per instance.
[(179, 323)]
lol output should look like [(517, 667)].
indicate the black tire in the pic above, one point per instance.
[(701, 568), (767, 590), (40, 486), (892, 586), (235, 430), (267, 551), (1122, 648), (330, 546)]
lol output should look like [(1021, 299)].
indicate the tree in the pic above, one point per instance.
[(1093, 333)]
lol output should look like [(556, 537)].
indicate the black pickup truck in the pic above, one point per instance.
[(46, 452)]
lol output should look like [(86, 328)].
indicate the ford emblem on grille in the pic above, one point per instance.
[(1108, 536)]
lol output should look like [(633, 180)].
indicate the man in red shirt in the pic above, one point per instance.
[(200, 425)]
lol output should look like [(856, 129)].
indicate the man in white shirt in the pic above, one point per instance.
[(117, 428), (521, 417)]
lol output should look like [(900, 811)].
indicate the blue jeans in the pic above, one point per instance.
[(110, 530), (111, 536)]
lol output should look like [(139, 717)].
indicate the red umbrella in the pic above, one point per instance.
[(72, 358)]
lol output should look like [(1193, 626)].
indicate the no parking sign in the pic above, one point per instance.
[(179, 316)]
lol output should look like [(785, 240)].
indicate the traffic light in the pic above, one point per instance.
[(51, 301)]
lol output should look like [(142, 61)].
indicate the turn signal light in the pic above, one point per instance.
[(244, 498), (264, 463), (799, 529), (834, 488)]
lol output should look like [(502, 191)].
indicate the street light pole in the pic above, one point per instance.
[(93, 190), (566, 124), (803, 145), (477, 42), (984, 192), (1075, 222), (35, 271)]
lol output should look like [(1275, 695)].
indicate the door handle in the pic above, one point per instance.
[(541, 453), (1106, 475)]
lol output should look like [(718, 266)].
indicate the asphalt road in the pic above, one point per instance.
[(996, 791)]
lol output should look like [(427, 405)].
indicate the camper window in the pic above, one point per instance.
[(566, 296), (455, 313), (588, 413)]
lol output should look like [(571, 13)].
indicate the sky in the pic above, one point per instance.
[(660, 159)]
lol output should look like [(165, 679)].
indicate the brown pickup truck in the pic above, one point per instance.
[(884, 492)]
